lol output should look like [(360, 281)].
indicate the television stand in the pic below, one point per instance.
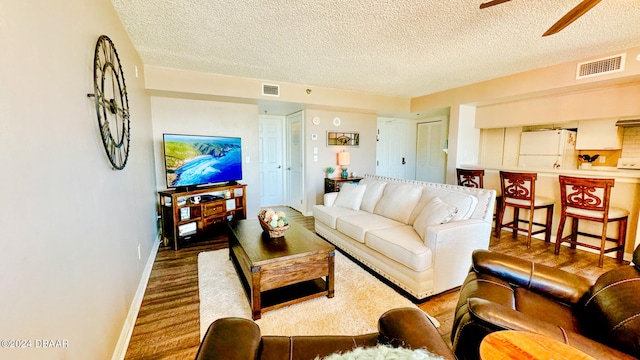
[(183, 217)]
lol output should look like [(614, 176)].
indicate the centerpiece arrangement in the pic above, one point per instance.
[(273, 222)]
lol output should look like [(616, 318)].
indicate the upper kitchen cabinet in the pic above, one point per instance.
[(599, 135)]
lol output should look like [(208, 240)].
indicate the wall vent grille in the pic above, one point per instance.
[(270, 90), (600, 66)]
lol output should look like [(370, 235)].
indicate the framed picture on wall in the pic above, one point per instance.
[(343, 138)]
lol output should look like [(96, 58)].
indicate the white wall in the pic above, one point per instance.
[(202, 117), (70, 225), (363, 157)]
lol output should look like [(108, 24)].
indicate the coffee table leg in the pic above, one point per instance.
[(330, 279), (256, 311)]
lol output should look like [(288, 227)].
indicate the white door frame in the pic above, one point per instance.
[(297, 200)]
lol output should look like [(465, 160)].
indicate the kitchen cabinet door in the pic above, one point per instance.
[(599, 135)]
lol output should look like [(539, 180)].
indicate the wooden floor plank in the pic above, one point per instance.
[(168, 324)]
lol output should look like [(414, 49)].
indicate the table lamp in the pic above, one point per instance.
[(344, 158)]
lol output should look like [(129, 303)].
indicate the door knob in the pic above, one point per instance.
[(279, 166)]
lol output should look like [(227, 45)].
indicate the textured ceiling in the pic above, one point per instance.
[(393, 47)]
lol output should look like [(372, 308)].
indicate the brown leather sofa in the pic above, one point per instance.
[(503, 292), (237, 338)]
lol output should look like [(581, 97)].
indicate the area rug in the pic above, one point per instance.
[(360, 298)]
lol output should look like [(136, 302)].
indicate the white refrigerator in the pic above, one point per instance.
[(548, 149)]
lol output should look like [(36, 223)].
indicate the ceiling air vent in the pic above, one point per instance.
[(270, 90), (600, 66)]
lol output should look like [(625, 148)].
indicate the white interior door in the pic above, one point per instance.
[(430, 159), (271, 160), (295, 175), (394, 149)]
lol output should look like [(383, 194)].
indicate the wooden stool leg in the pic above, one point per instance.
[(516, 222), (499, 221), (498, 210), (603, 243), (574, 232), (563, 219), (547, 234), (622, 237), (530, 227)]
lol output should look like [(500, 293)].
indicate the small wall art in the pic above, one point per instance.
[(343, 138)]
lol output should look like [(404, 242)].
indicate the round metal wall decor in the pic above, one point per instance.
[(112, 104)]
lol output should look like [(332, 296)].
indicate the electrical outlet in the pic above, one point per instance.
[(139, 254), (602, 159)]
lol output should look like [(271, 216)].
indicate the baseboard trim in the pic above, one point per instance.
[(129, 323)]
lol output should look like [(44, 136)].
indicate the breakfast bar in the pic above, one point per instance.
[(625, 194)]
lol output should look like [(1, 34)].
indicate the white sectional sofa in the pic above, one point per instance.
[(418, 235)]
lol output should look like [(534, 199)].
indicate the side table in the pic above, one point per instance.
[(334, 184), (510, 344)]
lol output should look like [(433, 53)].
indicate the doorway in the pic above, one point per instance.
[(295, 165), (430, 154), (272, 160)]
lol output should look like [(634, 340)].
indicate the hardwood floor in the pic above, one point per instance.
[(168, 325)]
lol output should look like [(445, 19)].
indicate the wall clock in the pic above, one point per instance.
[(112, 104)]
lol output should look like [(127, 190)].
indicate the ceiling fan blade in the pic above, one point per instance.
[(492, 3), (571, 16)]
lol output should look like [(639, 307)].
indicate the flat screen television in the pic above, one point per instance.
[(192, 160)]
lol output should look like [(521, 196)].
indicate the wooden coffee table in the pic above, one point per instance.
[(282, 271)]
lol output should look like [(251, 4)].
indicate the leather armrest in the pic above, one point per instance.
[(230, 338), (411, 328), (558, 284), (499, 317)]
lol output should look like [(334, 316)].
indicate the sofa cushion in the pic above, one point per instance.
[(356, 226), (465, 203), (434, 212), (402, 244), (372, 194), (398, 201), (328, 215), (350, 196)]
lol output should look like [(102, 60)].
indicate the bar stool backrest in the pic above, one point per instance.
[(519, 186), (470, 178), (585, 193)]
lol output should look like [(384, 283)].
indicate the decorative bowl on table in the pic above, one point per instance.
[(273, 222)]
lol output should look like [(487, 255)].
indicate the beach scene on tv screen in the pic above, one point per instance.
[(197, 160)]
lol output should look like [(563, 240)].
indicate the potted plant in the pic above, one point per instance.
[(330, 171), (586, 160)]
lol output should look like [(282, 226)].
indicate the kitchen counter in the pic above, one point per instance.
[(623, 175)]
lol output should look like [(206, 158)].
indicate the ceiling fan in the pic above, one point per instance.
[(567, 19)]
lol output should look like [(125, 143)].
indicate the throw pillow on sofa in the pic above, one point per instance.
[(398, 201), (350, 196), (434, 212), (372, 194), (465, 203)]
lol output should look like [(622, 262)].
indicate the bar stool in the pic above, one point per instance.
[(470, 178), (519, 192), (474, 179), (589, 199)]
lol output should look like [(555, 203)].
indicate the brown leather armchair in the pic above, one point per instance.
[(237, 338), (503, 292)]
